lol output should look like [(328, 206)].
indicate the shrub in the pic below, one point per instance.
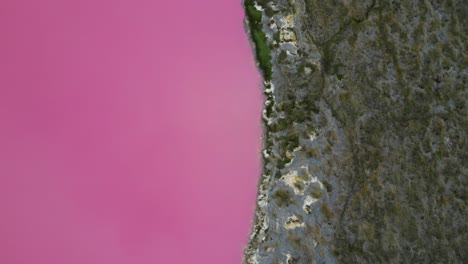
[(282, 197)]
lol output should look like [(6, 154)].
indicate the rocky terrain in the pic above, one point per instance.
[(365, 149)]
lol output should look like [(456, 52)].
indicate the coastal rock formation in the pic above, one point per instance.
[(365, 152)]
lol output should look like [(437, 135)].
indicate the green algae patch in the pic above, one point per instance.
[(262, 50)]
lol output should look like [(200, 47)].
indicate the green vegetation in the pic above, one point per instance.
[(389, 99), (327, 185), (326, 211), (282, 197), (316, 192), (282, 56), (262, 51)]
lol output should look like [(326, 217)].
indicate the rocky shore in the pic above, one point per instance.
[(365, 131)]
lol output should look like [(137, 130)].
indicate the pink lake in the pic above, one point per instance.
[(130, 132)]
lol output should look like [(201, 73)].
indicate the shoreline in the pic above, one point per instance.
[(257, 226)]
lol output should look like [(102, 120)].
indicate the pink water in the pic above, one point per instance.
[(129, 132)]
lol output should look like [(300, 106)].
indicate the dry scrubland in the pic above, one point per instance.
[(365, 122)]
